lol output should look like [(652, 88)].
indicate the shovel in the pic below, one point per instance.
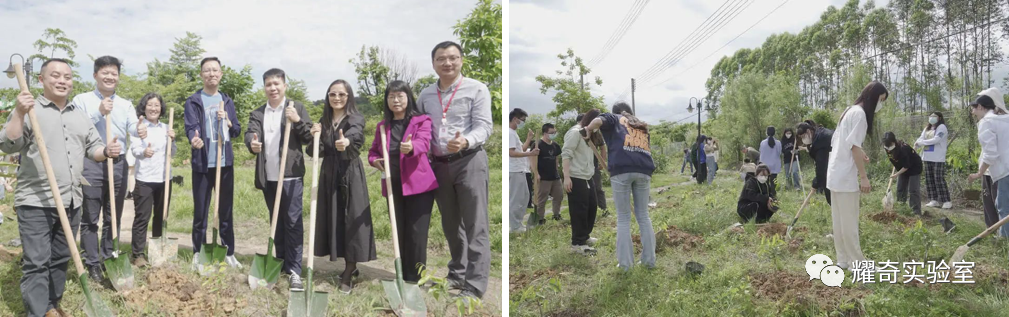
[(888, 199), (165, 249), (788, 232), (214, 252), (962, 250), (118, 267), (303, 303), (795, 158), (405, 299), (266, 267), (93, 305)]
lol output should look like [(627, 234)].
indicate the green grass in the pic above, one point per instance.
[(745, 275), (251, 217)]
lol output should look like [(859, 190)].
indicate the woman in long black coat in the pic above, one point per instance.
[(344, 226)]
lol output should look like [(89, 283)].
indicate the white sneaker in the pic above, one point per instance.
[(583, 249), (591, 241), (1, 218), (519, 230), (196, 262), (233, 262), (932, 204), (947, 205)]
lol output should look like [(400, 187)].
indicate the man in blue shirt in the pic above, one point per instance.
[(205, 120)]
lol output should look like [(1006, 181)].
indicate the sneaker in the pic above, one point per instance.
[(1, 218), (233, 262), (196, 262), (519, 230), (295, 281), (95, 273), (455, 283), (557, 217), (583, 249), (932, 204), (947, 205), (591, 241), (467, 296), (140, 262)]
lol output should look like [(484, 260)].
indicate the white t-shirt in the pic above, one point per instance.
[(842, 174), (516, 164)]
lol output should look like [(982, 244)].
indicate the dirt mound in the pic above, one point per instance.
[(519, 281), (795, 244), (888, 217), (183, 295), (672, 237), (997, 275), (9, 255), (785, 287)]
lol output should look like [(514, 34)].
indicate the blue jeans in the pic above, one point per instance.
[(791, 171), (1001, 203), (624, 187)]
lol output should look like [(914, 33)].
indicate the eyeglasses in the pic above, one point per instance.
[(397, 97), (341, 95)]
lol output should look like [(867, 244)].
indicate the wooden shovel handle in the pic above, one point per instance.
[(168, 165), (315, 194), (40, 142), (280, 177), (388, 187), (893, 170), (217, 178), (111, 179)]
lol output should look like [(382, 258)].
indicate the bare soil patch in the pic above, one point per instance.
[(794, 287)]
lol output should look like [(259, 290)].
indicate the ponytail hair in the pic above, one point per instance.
[(770, 136), (623, 109)]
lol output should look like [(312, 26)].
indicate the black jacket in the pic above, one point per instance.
[(787, 145), (819, 151), (904, 156), (301, 136), (755, 192)]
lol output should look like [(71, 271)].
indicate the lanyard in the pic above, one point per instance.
[(444, 112)]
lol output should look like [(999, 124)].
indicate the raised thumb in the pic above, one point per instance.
[(458, 134), (148, 145), (408, 138), (255, 137), (341, 133), (197, 134), (115, 140)]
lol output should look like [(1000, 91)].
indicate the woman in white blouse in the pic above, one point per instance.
[(992, 130), (846, 172), (150, 173)]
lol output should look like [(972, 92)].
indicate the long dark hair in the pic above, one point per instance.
[(890, 138), (411, 104), (938, 123), (770, 136), (623, 109), (869, 99), (327, 112), (142, 106), (785, 139)]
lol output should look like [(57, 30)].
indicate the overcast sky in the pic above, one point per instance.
[(310, 40), (539, 30)]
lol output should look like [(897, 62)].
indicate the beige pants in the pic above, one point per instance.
[(844, 213), (553, 189)]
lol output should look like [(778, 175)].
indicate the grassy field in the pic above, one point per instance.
[(176, 290), (750, 271)]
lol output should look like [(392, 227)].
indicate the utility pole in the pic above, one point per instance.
[(633, 87)]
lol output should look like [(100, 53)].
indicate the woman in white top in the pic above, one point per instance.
[(150, 173), (770, 155), (935, 139), (992, 130), (846, 173)]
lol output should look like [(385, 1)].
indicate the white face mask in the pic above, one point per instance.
[(890, 148), (933, 120), (788, 135), (762, 179), (553, 136), (807, 140)]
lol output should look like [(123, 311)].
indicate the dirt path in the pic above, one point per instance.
[(380, 269)]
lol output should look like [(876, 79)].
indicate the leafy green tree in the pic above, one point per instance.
[(480, 36), (570, 94)]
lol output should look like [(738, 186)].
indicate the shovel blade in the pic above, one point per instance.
[(211, 254), (163, 250), (405, 299), (265, 271), (302, 304), (120, 272), (93, 305)]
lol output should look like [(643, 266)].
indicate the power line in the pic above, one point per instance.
[(723, 46), (618, 34)]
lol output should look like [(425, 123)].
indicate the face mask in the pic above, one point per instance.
[(807, 140), (553, 136), (762, 179), (521, 124), (890, 148), (788, 135), (933, 120)]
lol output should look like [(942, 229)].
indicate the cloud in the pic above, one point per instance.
[(310, 40)]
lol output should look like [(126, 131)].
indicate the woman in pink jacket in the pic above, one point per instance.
[(413, 182)]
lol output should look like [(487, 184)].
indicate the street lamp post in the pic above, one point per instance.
[(690, 108), (27, 67)]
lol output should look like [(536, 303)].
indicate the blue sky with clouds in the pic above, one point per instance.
[(310, 40)]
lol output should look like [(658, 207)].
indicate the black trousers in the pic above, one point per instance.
[(203, 184), (701, 173), (597, 185), (289, 239), (46, 256), (149, 205), (748, 211), (96, 200), (413, 219), (582, 210), (771, 181), (529, 181), (988, 198)]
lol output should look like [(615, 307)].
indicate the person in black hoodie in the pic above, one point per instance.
[(816, 140), (908, 168), (789, 160), (758, 198), (699, 159)]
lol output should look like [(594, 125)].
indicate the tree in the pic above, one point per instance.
[(376, 68), (571, 93), (480, 37), (51, 41), (185, 59), (424, 82)]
